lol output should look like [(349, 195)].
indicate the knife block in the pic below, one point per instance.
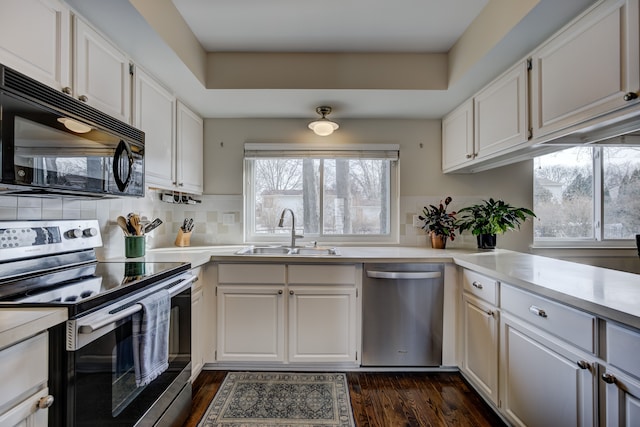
[(183, 238)]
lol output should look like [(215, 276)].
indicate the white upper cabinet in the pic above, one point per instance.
[(189, 151), (155, 114), (457, 137), (101, 73), (587, 69), (492, 122), (35, 40), (501, 113)]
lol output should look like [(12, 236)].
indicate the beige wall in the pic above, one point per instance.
[(420, 162)]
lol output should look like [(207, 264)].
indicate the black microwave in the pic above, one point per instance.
[(51, 143)]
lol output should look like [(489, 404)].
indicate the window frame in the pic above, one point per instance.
[(268, 150), (598, 241)]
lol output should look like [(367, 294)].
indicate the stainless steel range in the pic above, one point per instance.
[(94, 357)]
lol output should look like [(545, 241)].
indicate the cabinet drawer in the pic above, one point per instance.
[(23, 369), (481, 286), (251, 273), (322, 274), (571, 325), (623, 347)]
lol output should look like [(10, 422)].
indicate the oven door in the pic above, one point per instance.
[(101, 388)]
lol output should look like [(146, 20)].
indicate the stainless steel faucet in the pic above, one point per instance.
[(293, 226)]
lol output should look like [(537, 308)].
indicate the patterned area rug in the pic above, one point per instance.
[(269, 399)]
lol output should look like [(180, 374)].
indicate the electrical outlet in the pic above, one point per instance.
[(416, 221)]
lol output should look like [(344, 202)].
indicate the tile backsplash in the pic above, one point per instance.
[(218, 219)]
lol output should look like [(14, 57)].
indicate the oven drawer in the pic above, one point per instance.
[(23, 369)]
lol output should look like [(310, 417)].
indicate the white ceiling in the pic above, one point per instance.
[(327, 26), (330, 25)]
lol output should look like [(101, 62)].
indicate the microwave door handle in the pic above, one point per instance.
[(117, 157)]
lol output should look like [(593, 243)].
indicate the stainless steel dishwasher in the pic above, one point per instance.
[(402, 314)]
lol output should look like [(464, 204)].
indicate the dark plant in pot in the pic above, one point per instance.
[(491, 217), (440, 224)]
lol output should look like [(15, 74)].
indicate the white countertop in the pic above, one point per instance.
[(17, 324), (608, 293)]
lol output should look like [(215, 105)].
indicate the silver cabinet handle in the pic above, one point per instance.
[(280, 292), (66, 90), (403, 274), (630, 96), (608, 378), (291, 292), (45, 402), (83, 98), (477, 285), (583, 364), (491, 313), (538, 311)]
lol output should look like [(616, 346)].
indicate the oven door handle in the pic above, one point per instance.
[(101, 323)]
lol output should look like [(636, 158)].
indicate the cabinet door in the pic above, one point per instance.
[(586, 70), (155, 114), (190, 150), (543, 381), (622, 398), (28, 413), (457, 137), (501, 113), (480, 345), (322, 324), (251, 323), (101, 75), (35, 39), (197, 324)]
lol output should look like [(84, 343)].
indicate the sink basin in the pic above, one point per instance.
[(264, 250), (314, 251), (284, 250)]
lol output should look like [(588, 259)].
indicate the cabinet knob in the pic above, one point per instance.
[(490, 313), (45, 402), (477, 285), (583, 364), (181, 184), (469, 156), (608, 378), (280, 292), (291, 292), (66, 90), (630, 96), (83, 98)]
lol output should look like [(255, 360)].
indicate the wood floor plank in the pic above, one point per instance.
[(385, 399)]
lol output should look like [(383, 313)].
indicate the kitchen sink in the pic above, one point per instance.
[(285, 250)]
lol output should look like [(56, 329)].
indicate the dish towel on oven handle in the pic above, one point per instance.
[(151, 337)]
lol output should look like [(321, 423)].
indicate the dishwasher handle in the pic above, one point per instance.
[(403, 275)]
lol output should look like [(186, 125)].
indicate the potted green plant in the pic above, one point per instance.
[(491, 217), (440, 224)]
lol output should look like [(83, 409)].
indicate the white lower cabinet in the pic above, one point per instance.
[(480, 345), (24, 396), (621, 398), (544, 381), (287, 313), (251, 323), (322, 324)]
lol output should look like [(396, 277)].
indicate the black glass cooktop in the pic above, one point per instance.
[(85, 287)]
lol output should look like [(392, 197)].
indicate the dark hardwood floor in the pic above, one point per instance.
[(388, 399)]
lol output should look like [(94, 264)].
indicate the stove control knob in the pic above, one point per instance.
[(90, 232), (74, 233)]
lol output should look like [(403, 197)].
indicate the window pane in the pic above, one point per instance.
[(356, 196), (563, 195), (621, 192), (286, 183)]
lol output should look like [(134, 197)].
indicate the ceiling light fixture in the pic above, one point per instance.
[(323, 126)]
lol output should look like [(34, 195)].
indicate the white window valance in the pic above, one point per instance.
[(255, 150)]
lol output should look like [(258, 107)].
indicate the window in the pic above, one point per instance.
[(587, 193), (341, 195)]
